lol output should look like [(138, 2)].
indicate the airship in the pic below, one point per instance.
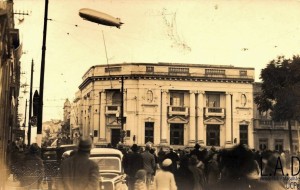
[(99, 17)]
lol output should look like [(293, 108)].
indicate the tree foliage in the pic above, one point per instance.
[(281, 89)]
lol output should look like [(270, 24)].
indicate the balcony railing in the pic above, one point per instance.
[(269, 124), (202, 75), (178, 110), (214, 111), (112, 110)]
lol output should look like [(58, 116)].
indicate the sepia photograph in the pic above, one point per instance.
[(149, 94)]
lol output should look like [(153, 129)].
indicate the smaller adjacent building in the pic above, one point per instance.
[(272, 135)]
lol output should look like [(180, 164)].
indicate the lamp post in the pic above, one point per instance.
[(30, 106), (122, 110)]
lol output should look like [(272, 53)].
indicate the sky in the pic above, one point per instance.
[(241, 33)]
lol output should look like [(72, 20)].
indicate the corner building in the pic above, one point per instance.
[(166, 104)]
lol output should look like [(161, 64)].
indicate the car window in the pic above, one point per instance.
[(108, 163)]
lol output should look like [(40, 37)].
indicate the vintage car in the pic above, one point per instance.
[(109, 161)]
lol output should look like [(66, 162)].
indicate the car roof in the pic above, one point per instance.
[(106, 151), (102, 151)]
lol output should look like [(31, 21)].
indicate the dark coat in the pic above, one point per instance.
[(149, 162), (132, 162), (183, 176), (79, 173), (31, 171), (175, 158)]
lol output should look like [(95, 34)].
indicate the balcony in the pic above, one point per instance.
[(178, 110), (214, 111), (112, 110), (263, 124), (280, 125)]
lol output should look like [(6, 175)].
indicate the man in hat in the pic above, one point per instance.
[(132, 162), (175, 159), (149, 163), (79, 172)]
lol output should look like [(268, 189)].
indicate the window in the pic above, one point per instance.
[(213, 100), (278, 145), (149, 131), (244, 134), (176, 134), (113, 69), (243, 73), (149, 69), (263, 144), (213, 135), (177, 99), (116, 98)]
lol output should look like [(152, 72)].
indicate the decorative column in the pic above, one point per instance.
[(228, 119), (102, 131), (192, 122), (200, 119), (164, 125)]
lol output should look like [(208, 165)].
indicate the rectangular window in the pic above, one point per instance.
[(213, 100), (113, 69), (176, 134), (243, 73), (95, 133), (177, 99), (149, 132), (278, 145), (263, 144), (213, 135), (149, 69), (244, 134)]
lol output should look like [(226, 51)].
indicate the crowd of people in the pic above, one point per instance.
[(235, 168)]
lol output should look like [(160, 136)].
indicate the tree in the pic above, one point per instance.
[(281, 91)]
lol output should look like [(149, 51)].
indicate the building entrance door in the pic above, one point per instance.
[(213, 135), (176, 134), (115, 137)]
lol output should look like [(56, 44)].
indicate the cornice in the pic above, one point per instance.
[(164, 78)]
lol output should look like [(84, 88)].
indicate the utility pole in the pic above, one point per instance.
[(30, 105), (40, 113), (122, 110), (25, 113)]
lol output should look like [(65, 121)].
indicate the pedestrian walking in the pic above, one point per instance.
[(198, 174), (164, 178), (78, 172), (132, 162), (184, 177), (148, 163), (140, 183), (236, 165), (32, 169), (175, 159)]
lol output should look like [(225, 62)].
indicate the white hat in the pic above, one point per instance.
[(167, 162)]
